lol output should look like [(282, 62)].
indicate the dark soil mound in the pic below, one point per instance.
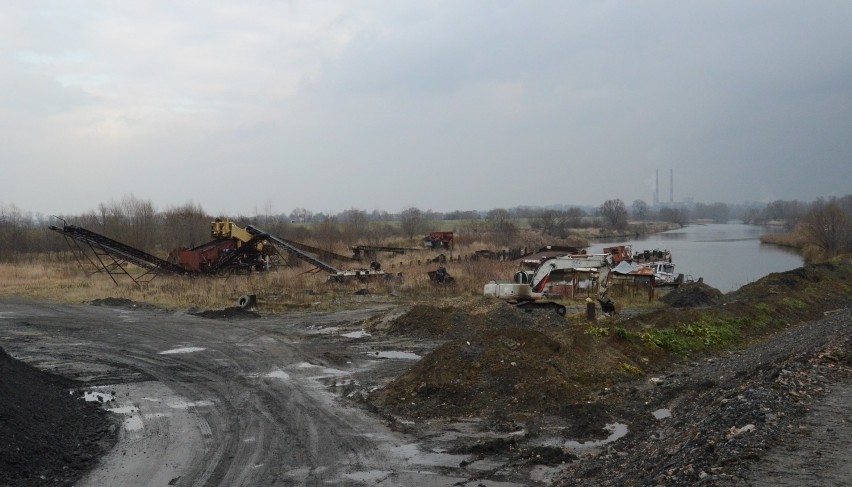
[(502, 359), (47, 435), (113, 302), (425, 321), (693, 295), (799, 280), (233, 313)]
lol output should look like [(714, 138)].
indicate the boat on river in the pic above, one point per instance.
[(664, 273), (656, 263)]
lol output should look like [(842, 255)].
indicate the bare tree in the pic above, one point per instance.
[(462, 215), (615, 214), (328, 233), (12, 225), (355, 224), (547, 221), (184, 225), (267, 219), (412, 222), (674, 215), (131, 220), (500, 222), (640, 210), (787, 211), (142, 218), (828, 227), (574, 217)]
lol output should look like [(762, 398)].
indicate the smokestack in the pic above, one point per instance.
[(657, 189), (671, 186)]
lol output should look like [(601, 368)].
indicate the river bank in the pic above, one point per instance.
[(633, 230)]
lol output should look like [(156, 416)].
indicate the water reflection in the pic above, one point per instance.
[(727, 256)]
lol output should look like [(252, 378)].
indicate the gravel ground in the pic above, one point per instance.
[(753, 417)]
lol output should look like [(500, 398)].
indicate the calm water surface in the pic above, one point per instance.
[(727, 255)]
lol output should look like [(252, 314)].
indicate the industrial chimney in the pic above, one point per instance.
[(671, 187), (657, 189)]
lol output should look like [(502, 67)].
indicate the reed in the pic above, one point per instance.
[(65, 281)]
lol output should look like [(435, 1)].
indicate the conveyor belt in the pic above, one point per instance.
[(293, 250), (116, 249)]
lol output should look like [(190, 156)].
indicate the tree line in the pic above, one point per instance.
[(138, 223)]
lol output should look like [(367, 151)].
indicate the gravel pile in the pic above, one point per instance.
[(48, 436), (692, 295)]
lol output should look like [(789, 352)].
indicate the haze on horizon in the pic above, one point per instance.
[(441, 105)]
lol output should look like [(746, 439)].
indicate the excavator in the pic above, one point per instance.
[(527, 289)]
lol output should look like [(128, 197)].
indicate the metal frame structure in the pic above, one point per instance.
[(119, 259), (113, 257)]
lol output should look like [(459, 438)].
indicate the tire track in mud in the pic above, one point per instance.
[(123, 345), (257, 408), (217, 375)]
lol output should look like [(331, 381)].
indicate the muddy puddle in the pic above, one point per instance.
[(662, 413), (356, 334)]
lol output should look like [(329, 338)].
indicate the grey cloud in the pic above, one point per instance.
[(28, 94), (379, 105)]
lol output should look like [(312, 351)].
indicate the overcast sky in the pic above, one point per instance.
[(249, 106)]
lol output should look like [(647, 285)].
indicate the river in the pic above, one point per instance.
[(727, 255)]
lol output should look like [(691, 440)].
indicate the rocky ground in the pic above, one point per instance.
[(730, 414)]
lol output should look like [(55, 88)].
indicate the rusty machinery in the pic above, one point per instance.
[(439, 240), (232, 250)]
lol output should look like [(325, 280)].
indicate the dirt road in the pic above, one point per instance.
[(228, 402)]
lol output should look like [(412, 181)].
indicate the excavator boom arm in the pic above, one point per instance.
[(542, 273)]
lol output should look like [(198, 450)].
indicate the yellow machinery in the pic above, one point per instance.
[(227, 229)]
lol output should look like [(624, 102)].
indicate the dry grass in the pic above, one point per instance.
[(63, 280), (795, 239)]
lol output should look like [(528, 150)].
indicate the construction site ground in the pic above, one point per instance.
[(465, 391)]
